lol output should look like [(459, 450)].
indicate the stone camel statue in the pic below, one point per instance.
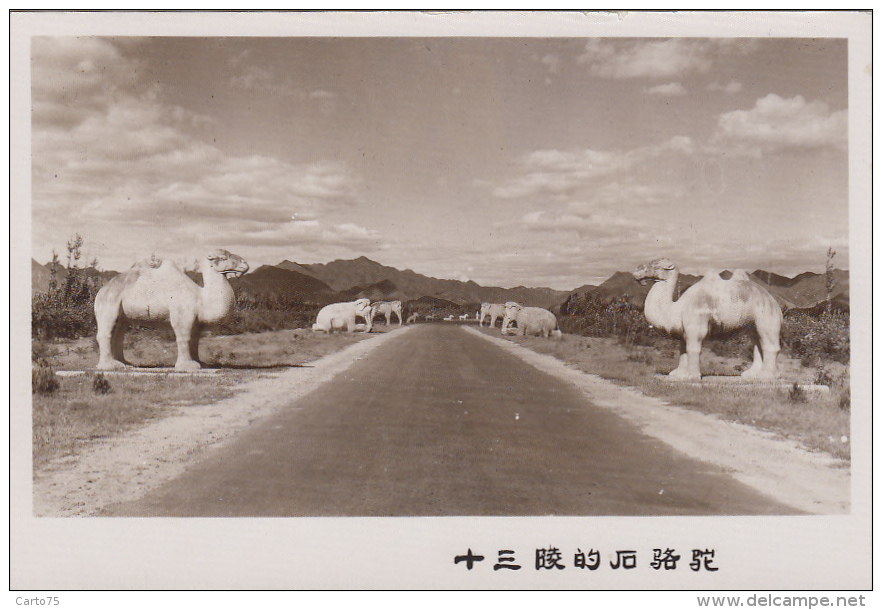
[(165, 294), (712, 302)]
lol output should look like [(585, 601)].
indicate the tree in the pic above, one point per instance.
[(830, 278), (53, 272)]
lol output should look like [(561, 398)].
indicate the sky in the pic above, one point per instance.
[(507, 161)]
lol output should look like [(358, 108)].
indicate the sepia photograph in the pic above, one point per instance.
[(441, 301)]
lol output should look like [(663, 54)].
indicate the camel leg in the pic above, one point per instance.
[(111, 330), (768, 365), (690, 362), (183, 328), (770, 343), (117, 336), (756, 368), (195, 335)]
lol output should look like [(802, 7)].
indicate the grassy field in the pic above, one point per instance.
[(818, 421), (81, 410)]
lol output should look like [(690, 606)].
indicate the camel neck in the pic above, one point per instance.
[(660, 308), (217, 295)]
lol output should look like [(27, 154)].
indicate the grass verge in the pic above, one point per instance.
[(82, 409), (819, 422)]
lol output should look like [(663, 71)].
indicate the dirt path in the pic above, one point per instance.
[(125, 468)]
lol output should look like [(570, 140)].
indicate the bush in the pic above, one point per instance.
[(817, 337), (797, 394), (100, 385), (591, 316), (43, 379)]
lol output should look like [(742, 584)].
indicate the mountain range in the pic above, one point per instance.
[(341, 280)]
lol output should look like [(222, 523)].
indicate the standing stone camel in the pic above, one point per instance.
[(165, 295), (712, 302)]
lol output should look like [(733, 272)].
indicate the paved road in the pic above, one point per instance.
[(438, 421)]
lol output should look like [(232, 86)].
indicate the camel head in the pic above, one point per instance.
[(226, 263), (363, 307), (659, 270)]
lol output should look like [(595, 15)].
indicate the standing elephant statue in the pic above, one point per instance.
[(494, 310), (387, 308)]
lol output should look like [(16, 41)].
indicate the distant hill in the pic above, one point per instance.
[(41, 275), (377, 281), (275, 282)]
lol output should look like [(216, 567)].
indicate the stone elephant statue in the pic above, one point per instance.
[(494, 310), (341, 316), (530, 321), (387, 308)]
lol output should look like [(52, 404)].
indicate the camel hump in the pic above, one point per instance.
[(740, 275)]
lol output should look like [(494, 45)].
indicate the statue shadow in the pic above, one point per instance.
[(227, 367), (254, 367)]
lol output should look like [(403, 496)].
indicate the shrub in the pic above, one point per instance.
[(592, 316), (43, 379), (823, 377), (815, 337), (797, 394), (100, 385)]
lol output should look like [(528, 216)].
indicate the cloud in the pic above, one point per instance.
[(646, 58), (560, 174), (666, 90), (254, 79), (776, 123), (303, 234), (553, 63), (733, 86), (651, 58), (114, 161)]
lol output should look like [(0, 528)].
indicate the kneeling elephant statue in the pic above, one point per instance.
[(530, 321), (341, 316)]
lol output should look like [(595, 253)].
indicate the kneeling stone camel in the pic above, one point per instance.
[(530, 320), (165, 294), (712, 302), (341, 316)]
